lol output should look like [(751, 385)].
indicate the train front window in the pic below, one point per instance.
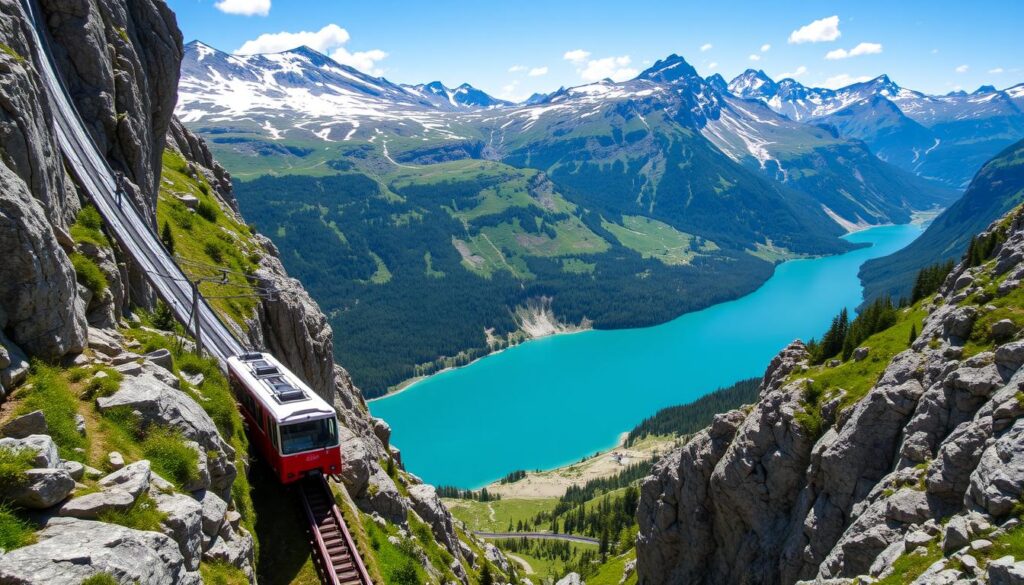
[(309, 435)]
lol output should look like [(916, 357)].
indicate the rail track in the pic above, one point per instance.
[(334, 552)]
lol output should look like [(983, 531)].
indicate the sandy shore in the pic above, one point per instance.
[(554, 482)]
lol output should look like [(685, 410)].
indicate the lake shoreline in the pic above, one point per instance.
[(409, 383), (547, 405)]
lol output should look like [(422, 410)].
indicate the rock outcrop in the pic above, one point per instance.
[(759, 497), (71, 550)]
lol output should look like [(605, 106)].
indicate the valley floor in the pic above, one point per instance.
[(553, 483)]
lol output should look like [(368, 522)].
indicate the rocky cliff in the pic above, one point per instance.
[(919, 475), (67, 288)]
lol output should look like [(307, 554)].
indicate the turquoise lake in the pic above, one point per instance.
[(552, 401)]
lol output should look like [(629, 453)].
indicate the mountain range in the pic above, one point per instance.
[(945, 138), (622, 203)]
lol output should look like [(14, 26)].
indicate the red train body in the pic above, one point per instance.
[(293, 429)]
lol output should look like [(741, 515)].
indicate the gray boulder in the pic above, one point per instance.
[(183, 523), (75, 469), (234, 547), (43, 488), (213, 509), (571, 579), (162, 358), (1006, 571), (33, 423), (497, 558), (71, 550), (115, 460), (90, 506), (133, 478), (1010, 355), (1003, 329)]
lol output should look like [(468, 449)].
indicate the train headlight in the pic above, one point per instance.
[(333, 467)]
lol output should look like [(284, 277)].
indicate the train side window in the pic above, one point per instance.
[(273, 436)]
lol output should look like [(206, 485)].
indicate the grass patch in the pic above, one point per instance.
[(13, 465), (171, 457), (48, 391), (654, 239), (397, 562), (910, 566), (208, 235), (89, 274), (11, 53), (142, 515), (221, 573), (478, 515), (857, 378), (88, 227), (100, 579), (15, 532), (102, 386), (610, 572)]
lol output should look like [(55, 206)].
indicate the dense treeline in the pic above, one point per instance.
[(929, 280), (514, 476), (576, 495), (689, 418), (396, 290), (844, 336), (482, 495)]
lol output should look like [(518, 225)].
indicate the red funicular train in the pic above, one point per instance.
[(294, 430)]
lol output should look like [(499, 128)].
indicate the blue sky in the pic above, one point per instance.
[(513, 49)]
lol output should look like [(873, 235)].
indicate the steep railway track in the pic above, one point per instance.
[(334, 552), (337, 558)]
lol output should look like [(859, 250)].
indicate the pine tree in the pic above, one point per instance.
[(486, 578), (913, 334), (167, 237)]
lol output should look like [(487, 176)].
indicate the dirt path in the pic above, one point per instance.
[(527, 568)]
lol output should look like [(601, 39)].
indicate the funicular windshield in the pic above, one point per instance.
[(309, 435)]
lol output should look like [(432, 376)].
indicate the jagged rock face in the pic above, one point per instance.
[(39, 305), (120, 62), (754, 499)]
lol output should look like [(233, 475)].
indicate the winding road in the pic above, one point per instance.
[(127, 224), (539, 536)]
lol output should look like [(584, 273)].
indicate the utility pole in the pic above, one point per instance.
[(196, 316)]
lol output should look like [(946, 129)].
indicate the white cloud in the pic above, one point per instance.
[(754, 57), (329, 40), (996, 71), (538, 71), (614, 68), (765, 48), (821, 30), (510, 92), (713, 65), (706, 47), (962, 69), (244, 7), (576, 55), (517, 68), (365, 61), (842, 80), (861, 49), (793, 74)]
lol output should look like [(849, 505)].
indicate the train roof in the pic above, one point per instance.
[(281, 392)]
